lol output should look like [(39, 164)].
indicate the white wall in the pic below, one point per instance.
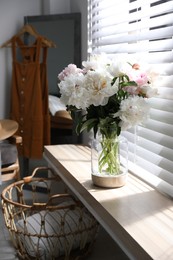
[(56, 6), (59, 6), (12, 14)]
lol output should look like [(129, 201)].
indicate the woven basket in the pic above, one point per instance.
[(47, 225)]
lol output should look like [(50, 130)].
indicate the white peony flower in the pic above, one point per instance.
[(73, 92), (99, 87), (149, 91), (96, 62), (119, 68), (133, 110)]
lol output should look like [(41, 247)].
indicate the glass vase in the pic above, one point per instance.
[(109, 160)]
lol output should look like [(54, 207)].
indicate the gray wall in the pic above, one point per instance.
[(11, 20)]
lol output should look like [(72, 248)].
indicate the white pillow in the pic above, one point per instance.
[(55, 104), (56, 238)]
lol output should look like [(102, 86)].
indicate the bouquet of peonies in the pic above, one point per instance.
[(113, 94)]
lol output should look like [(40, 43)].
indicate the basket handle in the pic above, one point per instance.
[(42, 206), (59, 196), (29, 178)]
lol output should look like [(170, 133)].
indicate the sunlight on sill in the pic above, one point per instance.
[(152, 180)]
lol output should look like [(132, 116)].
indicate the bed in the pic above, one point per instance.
[(61, 122)]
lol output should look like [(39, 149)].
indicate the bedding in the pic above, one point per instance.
[(60, 118), (55, 104)]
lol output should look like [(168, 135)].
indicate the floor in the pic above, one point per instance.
[(7, 251), (104, 247)]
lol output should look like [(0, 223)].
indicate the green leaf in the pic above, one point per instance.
[(129, 83), (88, 124)]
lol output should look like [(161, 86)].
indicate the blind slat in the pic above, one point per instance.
[(99, 5), (158, 138), (159, 127), (163, 45), (142, 35), (125, 15), (131, 27), (155, 58), (162, 116), (162, 104)]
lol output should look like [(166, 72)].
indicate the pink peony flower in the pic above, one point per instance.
[(132, 90), (138, 76), (70, 69)]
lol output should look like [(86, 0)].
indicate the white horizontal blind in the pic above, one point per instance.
[(143, 28)]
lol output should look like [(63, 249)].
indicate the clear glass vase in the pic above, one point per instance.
[(109, 161), (109, 156)]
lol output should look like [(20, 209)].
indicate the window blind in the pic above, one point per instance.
[(144, 29)]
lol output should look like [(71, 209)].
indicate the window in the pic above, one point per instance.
[(144, 29)]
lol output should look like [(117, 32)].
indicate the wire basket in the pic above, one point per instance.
[(47, 225)]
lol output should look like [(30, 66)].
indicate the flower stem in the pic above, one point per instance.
[(109, 160)]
